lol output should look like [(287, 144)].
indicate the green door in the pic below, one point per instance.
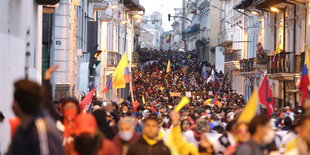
[(45, 59)]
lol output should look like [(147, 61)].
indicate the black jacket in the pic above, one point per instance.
[(27, 142), (143, 148)]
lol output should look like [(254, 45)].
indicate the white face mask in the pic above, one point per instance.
[(126, 135), (268, 138), (166, 120), (208, 111)]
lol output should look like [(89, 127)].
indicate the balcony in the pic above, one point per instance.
[(225, 38), (258, 64), (133, 5), (113, 59), (247, 65), (284, 68), (231, 59), (232, 56)]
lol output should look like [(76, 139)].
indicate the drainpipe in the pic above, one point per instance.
[(283, 64), (294, 57), (284, 39), (275, 31)]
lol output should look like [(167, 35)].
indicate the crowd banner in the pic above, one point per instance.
[(175, 94)]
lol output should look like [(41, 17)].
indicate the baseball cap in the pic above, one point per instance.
[(85, 123)]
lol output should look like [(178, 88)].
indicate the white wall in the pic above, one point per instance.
[(16, 18), (219, 59)]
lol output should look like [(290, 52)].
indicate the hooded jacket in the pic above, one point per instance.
[(146, 146)]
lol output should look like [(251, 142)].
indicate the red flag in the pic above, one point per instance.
[(87, 99), (266, 97), (156, 70), (153, 109), (135, 105)]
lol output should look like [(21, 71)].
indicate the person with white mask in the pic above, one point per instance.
[(126, 135), (261, 135)]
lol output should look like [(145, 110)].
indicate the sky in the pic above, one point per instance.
[(164, 6)]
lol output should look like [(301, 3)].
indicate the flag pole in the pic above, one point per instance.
[(130, 85), (265, 74)]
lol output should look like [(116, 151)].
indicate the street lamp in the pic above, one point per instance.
[(274, 9), (254, 12), (114, 6)]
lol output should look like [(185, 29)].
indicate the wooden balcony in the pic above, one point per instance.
[(286, 67)]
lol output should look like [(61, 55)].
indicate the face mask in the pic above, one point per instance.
[(126, 135), (208, 111), (124, 112), (268, 138), (216, 123), (70, 113), (299, 111), (166, 120)]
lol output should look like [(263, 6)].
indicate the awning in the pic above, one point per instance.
[(230, 51), (133, 5), (100, 6), (47, 2), (262, 4), (243, 4)]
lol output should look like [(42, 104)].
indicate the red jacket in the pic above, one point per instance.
[(107, 148)]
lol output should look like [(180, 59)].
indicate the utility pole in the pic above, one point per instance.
[(183, 23)]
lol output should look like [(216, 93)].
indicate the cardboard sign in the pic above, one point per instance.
[(188, 94), (175, 94)]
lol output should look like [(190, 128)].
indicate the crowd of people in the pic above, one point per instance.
[(149, 124)]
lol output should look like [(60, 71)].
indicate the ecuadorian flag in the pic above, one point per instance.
[(277, 53), (304, 80), (108, 86), (121, 75)]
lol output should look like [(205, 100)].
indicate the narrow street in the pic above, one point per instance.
[(164, 77)]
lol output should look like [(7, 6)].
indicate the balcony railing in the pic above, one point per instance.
[(113, 59), (285, 63), (247, 65), (302, 61), (234, 56)]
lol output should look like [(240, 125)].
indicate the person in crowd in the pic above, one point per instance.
[(151, 142), (1, 117), (70, 109), (303, 141), (88, 139), (126, 135), (194, 135), (103, 123), (227, 139), (242, 135), (289, 140), (37, 132), (287, 123), (185, 125), (261, 134)]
